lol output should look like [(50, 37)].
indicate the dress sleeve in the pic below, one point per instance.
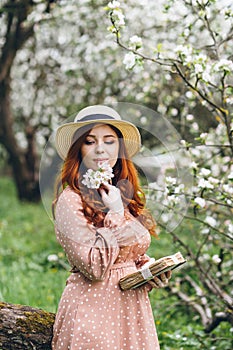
[(91, 251)]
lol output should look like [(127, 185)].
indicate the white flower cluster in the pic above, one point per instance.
[(129, 60), (200, 201), (210, 193), (114, 4), (223, 65), (135, 42), (133, 61), (200, 65), (95, 178), (117, 16)]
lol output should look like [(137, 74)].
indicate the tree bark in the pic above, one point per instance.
[(25, 328), (23, 162)]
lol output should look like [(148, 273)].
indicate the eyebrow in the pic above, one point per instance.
[(105, 136)]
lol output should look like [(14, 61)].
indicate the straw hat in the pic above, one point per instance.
[(101, 115)]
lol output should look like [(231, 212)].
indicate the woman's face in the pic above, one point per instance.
[(101, 145)]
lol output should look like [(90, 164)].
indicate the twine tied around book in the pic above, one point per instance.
[(146, 274)]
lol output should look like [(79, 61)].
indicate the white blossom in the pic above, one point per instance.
[(179, 189), (230, 228), (213, 181), (172, 200), (190, 117), (223, 65), (165, 217), (189, 95), (129, 60), (203, 136), (95, 178), (200, 201), (206, 74), (229, 100), (205, 230), (174, 112), (114, 4), (185, 52), (216, 259), (211, 221), (135, 42), (204, 172), (52, 257), (193, 165), (118, 17), (205, 184), (206, 256), (228, 189), (171, 180), (195, 126), (195, 152), (198, 68)]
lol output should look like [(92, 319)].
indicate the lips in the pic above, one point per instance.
[(100, 160)]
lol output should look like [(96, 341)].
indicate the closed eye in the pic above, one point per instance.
[(108, 140), (89, 142)]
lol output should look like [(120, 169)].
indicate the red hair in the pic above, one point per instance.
[(125, 178)]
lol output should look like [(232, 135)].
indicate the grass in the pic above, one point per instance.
[(27, 239), (29, 278)]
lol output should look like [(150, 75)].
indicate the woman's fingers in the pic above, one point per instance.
[(156, 283), (112, 199), (161, 281), (169, 274)]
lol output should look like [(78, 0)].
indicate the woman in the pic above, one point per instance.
[(105, 233)]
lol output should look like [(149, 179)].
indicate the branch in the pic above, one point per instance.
[(166, 62), (207, 280), (219, 317), (209, 322), (17, 34), (194, 88), (190, 302), (199, 293), (208, 225)]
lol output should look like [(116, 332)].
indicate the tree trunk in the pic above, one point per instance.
[(23, 162), (25, 328)]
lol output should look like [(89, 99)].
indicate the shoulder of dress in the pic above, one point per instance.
[(70, 195)]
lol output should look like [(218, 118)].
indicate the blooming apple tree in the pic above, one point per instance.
[(188, 46)]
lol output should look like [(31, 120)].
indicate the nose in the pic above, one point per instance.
[(99, 148)]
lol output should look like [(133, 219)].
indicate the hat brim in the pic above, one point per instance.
[(65, 133)]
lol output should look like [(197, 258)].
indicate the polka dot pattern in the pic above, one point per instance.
[(94, 313)]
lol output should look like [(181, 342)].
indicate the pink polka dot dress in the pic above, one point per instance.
[(94, 313)]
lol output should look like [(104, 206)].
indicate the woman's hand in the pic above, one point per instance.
[(111, 197), (161, 281)]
